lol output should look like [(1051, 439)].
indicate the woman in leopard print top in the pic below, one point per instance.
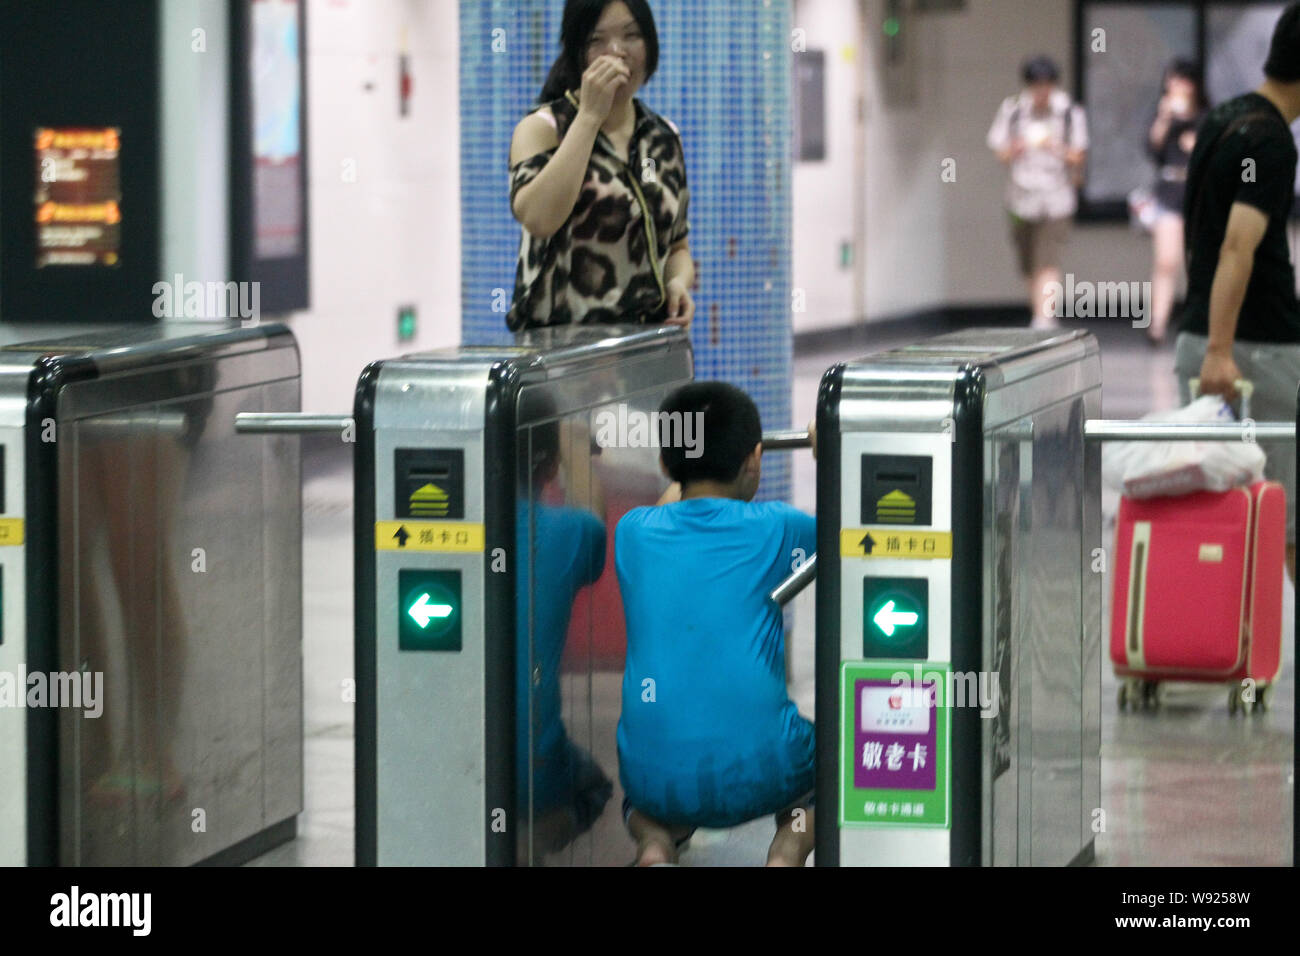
[(598, 182)]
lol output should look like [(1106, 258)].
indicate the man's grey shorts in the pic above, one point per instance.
[(1274, 368)]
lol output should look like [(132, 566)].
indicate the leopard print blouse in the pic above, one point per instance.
[(606, 263)]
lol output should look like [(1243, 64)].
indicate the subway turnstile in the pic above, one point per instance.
[(489, 634), (958, 603), (150, 595)]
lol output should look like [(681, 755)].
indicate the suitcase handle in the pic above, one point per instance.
[(1244, 386)]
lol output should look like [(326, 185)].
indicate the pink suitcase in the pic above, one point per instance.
[(1198, 593)]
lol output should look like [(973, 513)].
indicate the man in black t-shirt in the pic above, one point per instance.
[(1242, 318)]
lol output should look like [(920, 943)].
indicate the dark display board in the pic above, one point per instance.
[(79, 135), (78, 197), (268, 157)]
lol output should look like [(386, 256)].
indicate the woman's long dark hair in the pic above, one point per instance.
[(580, 19), (1187, 70)]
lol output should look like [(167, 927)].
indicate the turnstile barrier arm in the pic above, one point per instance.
[(785, 592), (1102, 429), (785, 440), (280, 423), (269, 423)]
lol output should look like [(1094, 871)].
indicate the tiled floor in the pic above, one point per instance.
[(1185, 785)]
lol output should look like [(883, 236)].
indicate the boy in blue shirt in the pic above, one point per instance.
[(708, 735)]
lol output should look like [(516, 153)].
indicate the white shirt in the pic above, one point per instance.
[(1039, 186)]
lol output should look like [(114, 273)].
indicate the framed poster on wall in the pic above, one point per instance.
[(269, 235)]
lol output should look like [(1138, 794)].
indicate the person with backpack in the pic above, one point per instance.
[(1042, 136)]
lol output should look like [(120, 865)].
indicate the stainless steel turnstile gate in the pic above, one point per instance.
[(150, 576), (958, 615), (488, 629)]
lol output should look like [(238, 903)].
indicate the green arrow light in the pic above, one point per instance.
[(422, 611), (888, 619)]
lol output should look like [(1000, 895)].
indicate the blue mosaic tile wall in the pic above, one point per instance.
[(724, 80)]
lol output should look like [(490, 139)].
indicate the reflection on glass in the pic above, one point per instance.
[(560, 540), (130, 473)]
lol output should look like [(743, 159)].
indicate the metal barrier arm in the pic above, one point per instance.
[(785, 592), (280, 423), (784, 440), (268, 423), (1101, 429)]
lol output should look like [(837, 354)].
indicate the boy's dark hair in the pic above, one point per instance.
[(576, 27), (731, 429), (1283, 62), (1039, 69)]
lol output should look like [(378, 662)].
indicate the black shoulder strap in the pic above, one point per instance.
[(1194, 222)]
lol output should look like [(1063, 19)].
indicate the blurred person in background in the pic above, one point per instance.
[(1042, 136), (598, 182), (1170, 142)]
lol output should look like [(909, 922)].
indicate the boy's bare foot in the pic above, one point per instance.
[(656, 843), (791, 846), (786, 852), (651, 852)]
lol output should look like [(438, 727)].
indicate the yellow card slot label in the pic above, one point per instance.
[(428, 536), (11, 531), (894, 543)]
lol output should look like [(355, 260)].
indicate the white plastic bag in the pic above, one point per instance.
[(1144, 469)]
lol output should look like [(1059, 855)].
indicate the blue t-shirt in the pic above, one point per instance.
[(708, 735)]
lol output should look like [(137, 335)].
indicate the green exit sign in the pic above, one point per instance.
[(895, 618), (428, 610), (406, 323)]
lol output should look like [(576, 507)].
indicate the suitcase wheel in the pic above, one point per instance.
[(1150, 695), (1138, 694), (1236, 699)]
